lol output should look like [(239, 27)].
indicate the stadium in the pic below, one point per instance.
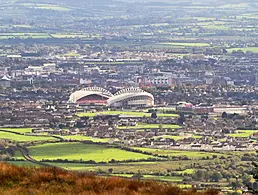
[(90, 96), (126, 98)]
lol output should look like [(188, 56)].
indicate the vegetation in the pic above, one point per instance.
[(79, 151), (23, 138), (18, 180)]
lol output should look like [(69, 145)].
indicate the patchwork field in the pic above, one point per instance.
[(18, 130), (79, 151), (244, 49), (23, 138), (189, 154)]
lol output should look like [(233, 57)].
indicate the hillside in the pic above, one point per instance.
[(20, 180)]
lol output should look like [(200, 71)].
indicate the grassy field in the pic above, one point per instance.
[(189, 154), (130, 113), (244, 49), (163, 178), (23, 138), (150, 126), (24, 35), (85, 138), (144, 167), (243, 133), (77, 151), (18, 130), (185, 44)]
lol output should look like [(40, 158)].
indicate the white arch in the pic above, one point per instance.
[(74, 97)]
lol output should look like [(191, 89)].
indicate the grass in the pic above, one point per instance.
[(18, 130), (78, 151), (164, 178), (244, 49), (23, 138), (85, 138), (243, 133), (185, 44), (187, 171), (150, 126), (129, 113), (154, 177), (189, 154)]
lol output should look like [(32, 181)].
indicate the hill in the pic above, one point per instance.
[(46, 180)]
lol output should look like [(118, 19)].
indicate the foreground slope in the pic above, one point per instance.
[(20, 180)]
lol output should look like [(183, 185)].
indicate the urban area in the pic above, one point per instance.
[(147, 90)]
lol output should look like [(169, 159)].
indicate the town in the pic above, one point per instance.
[(146, 90)]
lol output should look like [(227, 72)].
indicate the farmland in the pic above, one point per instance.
[(18, 130), (23, 138), (78, 151), (243, 133)]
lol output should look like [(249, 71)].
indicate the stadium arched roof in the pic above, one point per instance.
[(128, 93), (74, 97)]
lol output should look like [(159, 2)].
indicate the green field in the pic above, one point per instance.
[(185, 44), (244, 49), (129, 113), (18, 130), (189, 154), (163, 178), (243, 133), (23, 138), (85, 138), (78, 151), (151, 126)]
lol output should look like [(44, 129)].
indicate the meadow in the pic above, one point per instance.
[(84, 138), (79, 151), (243, 133), (178, 153), (18, 130), (23, 138), (244, 49), (186, 44)]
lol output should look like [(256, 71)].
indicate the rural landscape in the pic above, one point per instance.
[(129, 97)]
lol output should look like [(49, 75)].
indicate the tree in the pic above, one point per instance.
[(216, 176), (254, 189), (154, 115), (110, 171), (224, 115)]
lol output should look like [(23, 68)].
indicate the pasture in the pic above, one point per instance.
[(243, 133), (185, 44), (79, 151), (18, 130), (84, 138), (23, 138), (178, 153), (244, 49)]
